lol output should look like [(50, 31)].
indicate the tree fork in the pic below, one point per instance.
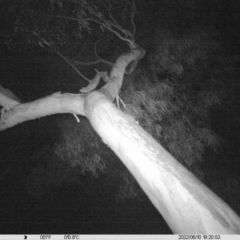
[(186, 204)]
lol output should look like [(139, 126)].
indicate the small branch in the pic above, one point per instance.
[(67, 61), (59, 54), (93, 84), (107, 24), (117, 26), (79, 54), (93, 62), (99, 60), (133, 10), (111, 16), (119, 100), (130, 42), (76, 117)]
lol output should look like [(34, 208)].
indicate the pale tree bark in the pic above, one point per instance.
[(186, 204)]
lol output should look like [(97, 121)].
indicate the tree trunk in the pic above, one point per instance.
[(186, 204)]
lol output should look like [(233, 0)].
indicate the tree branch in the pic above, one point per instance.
[(128, 36), (113, 86), (69, 62), (93, 84), (53, 104), (106, 24), (93, 62), (133, 10), (58, 53), (99, 60)]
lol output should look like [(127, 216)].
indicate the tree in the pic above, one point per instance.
[(185, 203)]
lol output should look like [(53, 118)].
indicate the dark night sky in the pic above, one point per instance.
[(30, 204)]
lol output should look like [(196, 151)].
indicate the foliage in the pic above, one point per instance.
[(40, 23), (128, 188), (172, 101), (171, 97), (80, 146), (170, 107), (62, 26), (178, 53)]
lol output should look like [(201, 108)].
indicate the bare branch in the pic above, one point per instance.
[(93, 84), (112, 26), (117, 26), (106, 24), (69, 62), (59, 54), (109, 12), (99, 60), (80, 52), (93, 62), (133, 10)]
